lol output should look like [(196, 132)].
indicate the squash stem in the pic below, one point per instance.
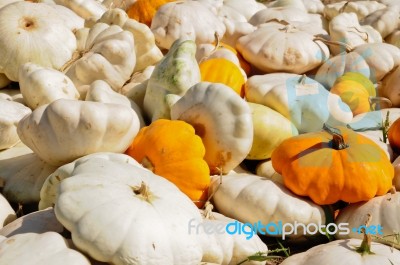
[(348, 47), (365, 247), (143, 191), (338, 142), (373, 101)]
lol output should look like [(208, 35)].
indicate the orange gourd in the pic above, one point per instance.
[(171, 149), (221, 70), (333, 165), (144, 10), (243, 63), (394, 135)]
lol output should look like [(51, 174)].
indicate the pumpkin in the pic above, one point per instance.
[(40, 85), (270, 129), (144, 10), (250, 198), (171, 149), (121, 213), (180, 19), (356, 92), (30, 23), (67, 129), (170, 79), (300, 99), (53, 249), (220, 70), (384, 211), (393, 135), (223, 121), (332, 165), (10, 114)]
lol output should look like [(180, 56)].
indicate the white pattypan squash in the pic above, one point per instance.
[(288, 14), (35, 222), (105, 53), (385, 20), (373, 120), (171, 78), (302, 100), (4, 81), (266, 170), (121, 213), (222, 119), (235, 30), (84, 8), (384, 211), (33, 32), (251, 199), (223, 248), (24, 175), (360, 8), (12, 94), (68, 129), (41, 85), (181, 19), (39, 249), (147, 53), (314, 6), (345, 28), (394, 38), (245, 8), (6, 2), (7, 213), (274, 47), (10, 114), (100, 91)]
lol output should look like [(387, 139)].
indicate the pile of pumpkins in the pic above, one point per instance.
[(136, 126)]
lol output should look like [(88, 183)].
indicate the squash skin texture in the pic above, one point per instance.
[(171, 149), (311, 167)]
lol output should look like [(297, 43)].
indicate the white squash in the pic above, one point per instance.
[(314, 6), (10, 114), (377, 137), (373, 120), (384, 20), (35, 222), (84, 8), (147, 53), (33, 32), (384, 211), (299, 4), (104, 53), (137, 79), (12, 94), (394, 38), (67, 129), (100, 91), (266, 170), (235, 30), (24, 175), (250, 198), (246, 9), (121, 213), (302, 100), (360, 8), (273, 47), (288, 14), (34, 249), (40, 85), (6, 2), (4, 81), (222, 119), (171, 78), (180, 19), (7, 213)]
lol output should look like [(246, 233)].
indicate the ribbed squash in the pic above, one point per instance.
[(171, 149)]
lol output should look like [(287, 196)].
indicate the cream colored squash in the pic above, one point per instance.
[(99, 189), (394, 38), (104, 53), (222, 119), (4, 81), (40, 85), (235, 30), (33, 32), (10, 114), (35, 222), (273, 47), (266, 170), (389, 87), (147, 53), (384, 211), (270, 128), (7, 213), (6, 2), (360, 8), (100, 91), (84, 8), (288, 14), (12, 94), (138, 78), (302, 100), (299, 4), (314, 6), (345, 28), (25, 249), (246, 9), (180, 19), (384, 20), (171, 78), (68, 129), (250, 198)]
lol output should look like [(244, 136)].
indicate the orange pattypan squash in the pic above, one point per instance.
[(333, 165), (144, 10), (243, 63), (221, 70), (171, 149), (394, 135)]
